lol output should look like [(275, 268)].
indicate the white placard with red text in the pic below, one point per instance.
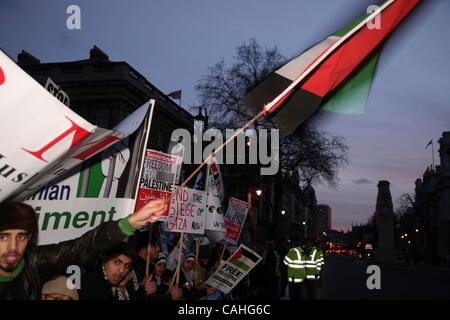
[(157, 177), (235, 219)]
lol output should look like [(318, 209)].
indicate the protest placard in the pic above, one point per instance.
[(157, 177), (234, 269), (235, 219), (214, 187), (187, 211)]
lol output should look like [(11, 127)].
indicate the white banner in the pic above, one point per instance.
[(68, 219), (36, 128), (100, 190), (41, 138)]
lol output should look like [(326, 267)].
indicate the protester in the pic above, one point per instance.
[(142, 240), (190, 292), (24, 266), (114, 278), (200, 267), (161, 277), (271, 269), (188, 269), (57, 289), (216, 263)]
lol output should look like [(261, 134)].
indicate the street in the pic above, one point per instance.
[(345, 278)]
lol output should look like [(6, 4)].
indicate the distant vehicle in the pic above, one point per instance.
[(366, 252), (369, 254)]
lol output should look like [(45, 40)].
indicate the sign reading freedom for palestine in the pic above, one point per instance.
[(157, 178)]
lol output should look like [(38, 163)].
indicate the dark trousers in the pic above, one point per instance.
[(295, 290), (313, 288)]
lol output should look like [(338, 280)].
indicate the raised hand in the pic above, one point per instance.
[(150, 285), (149, 213)]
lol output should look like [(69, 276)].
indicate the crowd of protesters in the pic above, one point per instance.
[(120, 262)]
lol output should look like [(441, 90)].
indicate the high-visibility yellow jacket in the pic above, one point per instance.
[(313, 263), (320, 261), (296, 265)]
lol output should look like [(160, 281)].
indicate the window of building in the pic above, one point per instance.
[(103, 117)]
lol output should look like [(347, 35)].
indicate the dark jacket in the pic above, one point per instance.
[(42, 262), (192, 293), (94, 286), (161, 289)]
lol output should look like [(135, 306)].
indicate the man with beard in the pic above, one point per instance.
[(24, 266)]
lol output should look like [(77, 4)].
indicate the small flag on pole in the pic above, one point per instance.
[(429, 143), (175, 94)]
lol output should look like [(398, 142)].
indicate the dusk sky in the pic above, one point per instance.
[(173, 42)]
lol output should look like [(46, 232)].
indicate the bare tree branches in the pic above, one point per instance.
[(315, 156)]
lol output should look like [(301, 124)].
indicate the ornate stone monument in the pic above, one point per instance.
[(384, 220)]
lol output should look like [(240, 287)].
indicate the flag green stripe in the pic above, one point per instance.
[(349, 27), (352, 96), (240, 264), (96, 178)]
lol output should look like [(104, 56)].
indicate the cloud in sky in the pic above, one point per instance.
[(362, 181)]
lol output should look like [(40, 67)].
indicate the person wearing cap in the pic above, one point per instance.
[(57, 289), (160, 276), (24, 266), (190, 292), (188, 268)]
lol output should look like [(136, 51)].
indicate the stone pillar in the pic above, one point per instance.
[(444, 185), (384, 219)]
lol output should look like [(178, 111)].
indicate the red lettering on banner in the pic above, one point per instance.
[(96, 146), (2, 76), (80, 134)]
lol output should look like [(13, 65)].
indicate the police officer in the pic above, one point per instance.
[(295, 262), (313, 267)]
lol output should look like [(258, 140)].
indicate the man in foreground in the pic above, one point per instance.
[(24, 266)]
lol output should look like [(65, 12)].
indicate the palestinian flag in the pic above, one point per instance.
[(244, 258), (342, 65)]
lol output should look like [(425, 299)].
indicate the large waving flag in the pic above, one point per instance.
[(42, 139), (342, 65)]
